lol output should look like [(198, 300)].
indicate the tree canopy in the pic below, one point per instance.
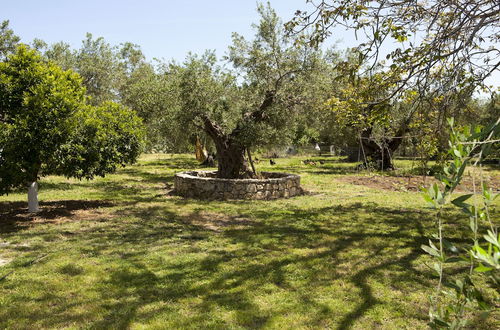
[(434, 53), (8, 40), (455, 39), (411, 70)]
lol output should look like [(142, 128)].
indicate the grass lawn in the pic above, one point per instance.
[(121, 252)]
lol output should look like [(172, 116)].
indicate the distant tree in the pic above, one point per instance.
[(46, 127), (121, 73), (130, 57), (316, 122), (8, 40), (61, 54), (252, 105), (97, 65), (153, 92)]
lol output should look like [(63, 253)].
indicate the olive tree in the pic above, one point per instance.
[(153, 91), (440, 50), (251, 104), (46, 126)]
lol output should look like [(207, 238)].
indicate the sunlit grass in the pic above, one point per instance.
[(121, 252)]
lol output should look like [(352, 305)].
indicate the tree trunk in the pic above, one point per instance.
[(379, 155), (251, 161), (230, 153), (33, 198), (200, 151), (231, 160)]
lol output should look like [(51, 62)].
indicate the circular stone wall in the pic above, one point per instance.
[(204, 184)]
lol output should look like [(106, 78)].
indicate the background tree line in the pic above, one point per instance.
[(277, 90)]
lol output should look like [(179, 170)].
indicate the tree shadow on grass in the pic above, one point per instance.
[(316, 169), (147, 177), (14, 216), (191, 269), (221, 280), (132, 191)]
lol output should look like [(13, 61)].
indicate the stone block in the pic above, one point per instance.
[(251, 188)]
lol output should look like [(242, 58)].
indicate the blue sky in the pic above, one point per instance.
[(164, 29)]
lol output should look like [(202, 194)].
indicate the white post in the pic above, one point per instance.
[(33, 198)]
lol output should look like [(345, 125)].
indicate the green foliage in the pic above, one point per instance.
[(46, 126), (423, 54), (153, 93), (421, 36), (105, 69), (206, 90), (356, 104), (257, 102), (61, 54), (97, 66), (452, 308), (105, 137), (121, 74), (37, 103), (8, 40)]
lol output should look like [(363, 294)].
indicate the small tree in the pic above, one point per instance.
[(370, 122), (460, 295), (47, 128)]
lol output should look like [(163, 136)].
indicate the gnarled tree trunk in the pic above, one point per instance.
[(230, 151), (231, 159), (380, 154)]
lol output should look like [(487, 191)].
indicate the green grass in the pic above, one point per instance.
[(120, 252)]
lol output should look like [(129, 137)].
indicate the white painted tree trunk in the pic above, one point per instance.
[(33, 198)]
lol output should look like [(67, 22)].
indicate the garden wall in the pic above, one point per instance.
[(204, 185)]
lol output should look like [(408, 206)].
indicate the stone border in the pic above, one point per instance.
[(204, 185)]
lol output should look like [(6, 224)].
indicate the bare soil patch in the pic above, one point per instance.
[(413, 183), (3, 261)]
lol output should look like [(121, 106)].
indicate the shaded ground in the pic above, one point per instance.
[(14, 215)]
